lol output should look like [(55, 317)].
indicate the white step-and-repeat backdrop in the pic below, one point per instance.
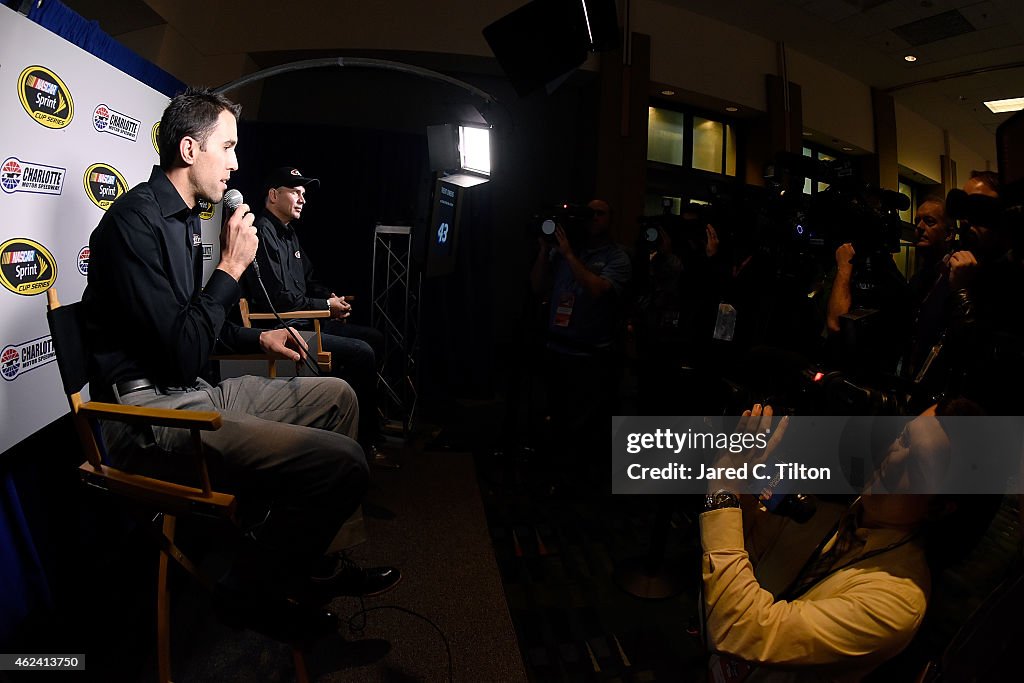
[(76, 134)]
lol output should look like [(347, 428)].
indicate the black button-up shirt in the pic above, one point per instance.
[(147, 313), (285, 269)]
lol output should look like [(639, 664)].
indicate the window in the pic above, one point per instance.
[(906, 188), (818, 155), (655, 204), (691, 141), (665, 136), (708, 143)]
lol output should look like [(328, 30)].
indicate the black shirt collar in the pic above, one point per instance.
[(167, 197), (276, 222)]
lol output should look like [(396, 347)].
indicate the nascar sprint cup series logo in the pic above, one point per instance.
[(106, 120), (26, 267), (103, 184), (24, 176), (45, 97), (206, 209), (20, 358)]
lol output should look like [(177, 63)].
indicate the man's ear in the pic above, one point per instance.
[(188, 148)]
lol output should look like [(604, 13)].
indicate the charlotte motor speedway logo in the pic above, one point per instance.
[(24, 176), (18, 359), (26, 267), (107, 120), (45, 97), (83, 260), (104, 184)]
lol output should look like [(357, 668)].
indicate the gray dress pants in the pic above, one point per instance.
[(287, 445)]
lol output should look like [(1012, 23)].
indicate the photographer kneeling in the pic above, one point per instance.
[(852, 603)]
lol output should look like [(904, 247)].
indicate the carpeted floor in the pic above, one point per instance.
[(560, 557), (438, 538)]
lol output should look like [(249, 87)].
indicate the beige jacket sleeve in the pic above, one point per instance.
[(856, 615)]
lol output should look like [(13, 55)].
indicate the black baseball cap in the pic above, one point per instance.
[(289, 176)]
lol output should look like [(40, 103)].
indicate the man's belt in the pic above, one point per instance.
[(130, 386)]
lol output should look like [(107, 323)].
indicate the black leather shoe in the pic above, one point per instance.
[(349, 578), (379, 458), (280, 618)]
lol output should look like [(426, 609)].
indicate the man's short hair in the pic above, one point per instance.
[(193, 114), (989, 179)]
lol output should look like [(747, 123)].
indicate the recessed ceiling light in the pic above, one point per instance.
[(910, 58), (668, 92), (732, 109), (847, 149), (1000, 106)]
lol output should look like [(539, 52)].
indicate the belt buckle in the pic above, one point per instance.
[(130, 386)]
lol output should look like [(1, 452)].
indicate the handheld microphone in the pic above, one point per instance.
[(232, 200)]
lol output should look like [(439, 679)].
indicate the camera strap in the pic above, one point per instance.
[(563, 310), (821, 564)]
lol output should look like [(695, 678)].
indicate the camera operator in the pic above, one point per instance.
[(871, 282), (934, 229), (934, 238), (983, 337), (584, 277)]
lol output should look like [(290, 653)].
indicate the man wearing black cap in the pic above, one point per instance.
[(286, 273)]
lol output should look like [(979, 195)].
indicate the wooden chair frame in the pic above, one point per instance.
[(323, 358), (169, 498)]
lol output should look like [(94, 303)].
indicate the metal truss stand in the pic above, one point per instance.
[(395, 294)]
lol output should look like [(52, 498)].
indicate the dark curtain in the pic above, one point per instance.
[(69, 25), (369, 177), (25, 587)]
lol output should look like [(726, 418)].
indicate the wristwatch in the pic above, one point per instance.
[(722, 498)]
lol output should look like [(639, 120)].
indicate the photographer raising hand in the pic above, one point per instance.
[(839, 609), (584, 276)]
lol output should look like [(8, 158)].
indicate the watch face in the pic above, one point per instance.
[(721, 499)]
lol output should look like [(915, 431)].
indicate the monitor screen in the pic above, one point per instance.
[(443, 230)]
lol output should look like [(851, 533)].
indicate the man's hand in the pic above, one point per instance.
[(844, 258), (753, 422), (286, 342), (711, 246), (664, 242), (238, 242), (340, 308), (563, 242), (962, 268)]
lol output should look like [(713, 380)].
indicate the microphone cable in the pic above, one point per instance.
[(232, 200), (357, 624), (298, 340)]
